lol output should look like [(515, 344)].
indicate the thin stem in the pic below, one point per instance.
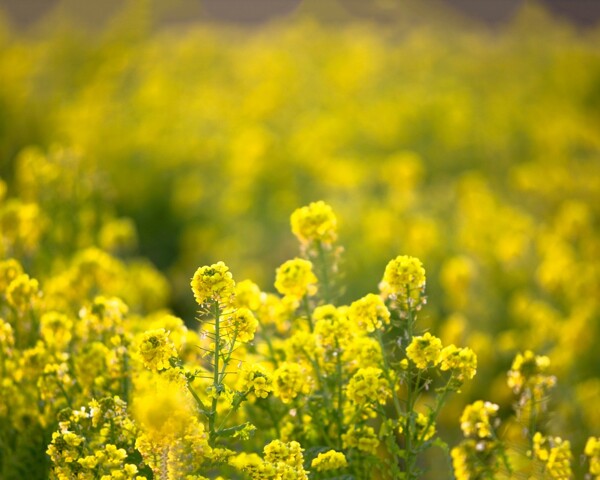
[(388, 377), (410, 400), (306, 306), (197, 398), (436, 411), (216, 384), (274, 419), (340, 399), (267, 339), (324, 273)]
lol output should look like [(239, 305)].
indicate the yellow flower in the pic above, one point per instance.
[(425, 430), (156, 350), (288, 381), (555, 453), (476, 419), (213, 283), (55, 329), (255, 378), (21, 291), (315, 223), (404, 280), (461, 361), (9, 270), (330, 460), (295, 278), (592, 450), (368, 386), (528, 371), (241, 324), (424, 351), (369, 313), (362, 438), (247, 294)]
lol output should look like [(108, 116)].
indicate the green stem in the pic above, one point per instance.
[(125, 382), (436, 411), (216, 385), (503, 454), (324, 273), (307, 312), (2, 362), (340, 398), (233, 409), (64, 392), (388, 377), (532, 421), (198, 399), (267, 339), (410, 400), (274, 418)]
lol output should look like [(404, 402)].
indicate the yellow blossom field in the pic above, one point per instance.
[(316, 248)]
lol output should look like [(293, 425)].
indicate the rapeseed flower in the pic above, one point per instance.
[(315, 222), (404, 281), (295, 278), (213, 283), (330, 460), (425, 350), (156, 350)]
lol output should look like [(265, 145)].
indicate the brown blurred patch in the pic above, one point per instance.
[(23, 13)]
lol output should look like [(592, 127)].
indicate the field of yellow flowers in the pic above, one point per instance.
[(301, 251)]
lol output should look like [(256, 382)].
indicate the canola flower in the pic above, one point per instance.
[(555, 454), (315, 222), (213, 283), (368, 386), (528, 372), (424, 350), (477, 419), (22, 291), (330, 460), (404, 279), (157, 350), (369, 313), (289, 381), (462, 362), (295, 278), (592, 451)]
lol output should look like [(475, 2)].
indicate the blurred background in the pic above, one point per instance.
[(464, 132)]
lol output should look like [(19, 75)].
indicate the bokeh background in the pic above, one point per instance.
[(466, 133)]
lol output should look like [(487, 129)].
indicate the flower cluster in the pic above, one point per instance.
[(288, 381), (368, 386), (592, 451), (462, 362), (424, 350), (477, 419), (315, 222), (555, 454), (369, 313), (156, 350), (330, 460), (529, 373), (404, 280), (295, 278), (96, 441), (213, 283), (256, 379)]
